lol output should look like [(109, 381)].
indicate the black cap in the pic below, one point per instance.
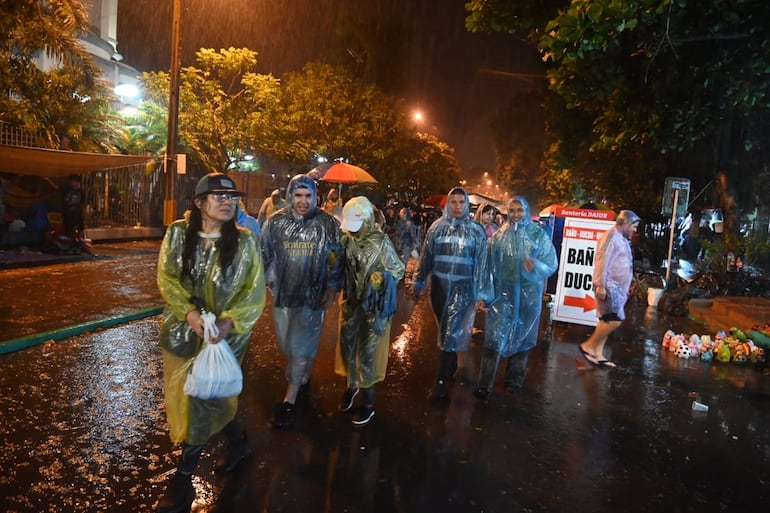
[(216, 182)]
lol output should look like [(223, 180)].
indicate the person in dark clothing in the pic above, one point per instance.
[(72, 208)]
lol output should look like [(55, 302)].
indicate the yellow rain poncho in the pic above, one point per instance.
[(371, 263), (237, 294)]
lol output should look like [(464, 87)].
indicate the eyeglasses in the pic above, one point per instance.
[(221, 197), (515, 210)]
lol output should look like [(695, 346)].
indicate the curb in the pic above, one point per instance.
[(17, 344)]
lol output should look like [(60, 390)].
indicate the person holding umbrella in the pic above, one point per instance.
[(303, 261), (455, 258)]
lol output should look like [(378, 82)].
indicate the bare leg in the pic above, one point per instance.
[(595, 343), (291, 393)]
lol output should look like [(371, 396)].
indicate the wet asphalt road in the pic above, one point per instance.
[(83, 427)]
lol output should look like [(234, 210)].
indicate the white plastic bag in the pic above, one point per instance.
[(215, 372)]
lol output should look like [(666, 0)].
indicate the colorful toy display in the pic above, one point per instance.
[(732, 346)]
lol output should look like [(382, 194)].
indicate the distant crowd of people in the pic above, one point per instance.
[(217, 263)]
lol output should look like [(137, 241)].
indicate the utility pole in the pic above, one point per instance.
[(170, 203)]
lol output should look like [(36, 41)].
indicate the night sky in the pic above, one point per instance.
[(425, 54)]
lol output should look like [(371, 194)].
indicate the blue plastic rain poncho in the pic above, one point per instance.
[(454, 255), (303, 258), (406, 235), (244, 220), (237, 294), (301, 253), (372, 272), (513, 318)]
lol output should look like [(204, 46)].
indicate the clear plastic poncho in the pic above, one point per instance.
[(362, 354), (454, 256), (613, 270), (302, 254), (239, 295), (489, 228), (406, 236), (513, 319)]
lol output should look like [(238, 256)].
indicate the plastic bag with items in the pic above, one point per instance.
[(215, 372)]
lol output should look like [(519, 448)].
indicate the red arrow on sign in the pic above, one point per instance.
[(586, 302)]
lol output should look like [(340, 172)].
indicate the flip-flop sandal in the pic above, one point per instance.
[(589, 357), (606, 364)]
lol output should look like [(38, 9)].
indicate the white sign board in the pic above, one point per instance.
[(574, 300)]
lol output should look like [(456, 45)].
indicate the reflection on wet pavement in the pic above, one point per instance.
[(83, 428)]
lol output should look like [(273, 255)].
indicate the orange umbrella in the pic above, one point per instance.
[(437, 200), (341, 172)]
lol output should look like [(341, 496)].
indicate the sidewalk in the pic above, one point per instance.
[(24, 256)]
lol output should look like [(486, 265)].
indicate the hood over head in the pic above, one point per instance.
[(457, 190), (303, 182), (484, 207), (527, 214), (627, 217)]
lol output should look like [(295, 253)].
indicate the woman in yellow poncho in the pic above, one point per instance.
[(206, 262), (372, 272)]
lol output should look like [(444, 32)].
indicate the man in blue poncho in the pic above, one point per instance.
[(454, 256), (521, 258), (406, 238), (303, 263)]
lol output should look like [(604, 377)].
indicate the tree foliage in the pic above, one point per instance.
[(66, 103), (650, 88), (222, 105), (227, 110)]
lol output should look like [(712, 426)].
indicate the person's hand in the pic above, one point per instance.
[(330, 296), (482, 305), (601, 294), (529, 263), (195, 321), (225, 328)]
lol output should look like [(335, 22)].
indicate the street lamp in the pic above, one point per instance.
[(169, 201)]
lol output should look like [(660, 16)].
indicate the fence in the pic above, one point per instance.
[(123, 197), (14, 136)]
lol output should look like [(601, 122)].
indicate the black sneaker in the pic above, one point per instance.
[(363, 416), (284, 415), (481, 393), (179, 495), (439, 390), (347, 399)]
